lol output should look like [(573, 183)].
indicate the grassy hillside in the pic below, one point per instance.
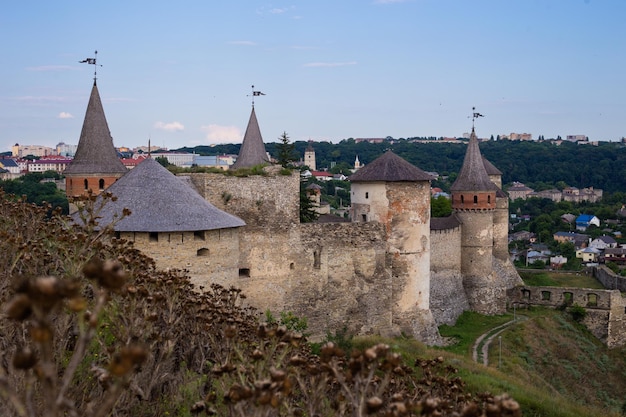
[(550, 364)]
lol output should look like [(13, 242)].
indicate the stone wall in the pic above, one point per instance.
[(447, 295), (605, 317), (609, 279), (210, 256), (334, 274), (271, 200)]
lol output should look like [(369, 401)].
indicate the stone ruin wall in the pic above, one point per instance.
[(211, 256), (271, 199), (606, 313), (334, 274), (447, 295)]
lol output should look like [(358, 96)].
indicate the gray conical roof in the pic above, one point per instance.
[(95, 153), (390, 168), (161, 202), (252, 150), (473, 175), (490, 168)]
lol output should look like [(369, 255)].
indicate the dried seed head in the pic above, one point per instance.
[(373, 404), (19, 307), (24, 358)]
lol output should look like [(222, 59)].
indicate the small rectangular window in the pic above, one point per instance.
[(154, 237), (244, 272)]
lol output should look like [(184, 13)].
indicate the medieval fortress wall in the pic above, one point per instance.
[(383, 273), (604, 318)]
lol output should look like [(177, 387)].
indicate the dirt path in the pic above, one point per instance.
[(480, 349)]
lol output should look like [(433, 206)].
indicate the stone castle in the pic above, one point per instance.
[(391, 270)]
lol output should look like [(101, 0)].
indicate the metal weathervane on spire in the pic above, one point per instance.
[(92, 61), (254, 94), (475, 116)]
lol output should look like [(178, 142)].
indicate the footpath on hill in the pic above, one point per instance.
[(480, 349)]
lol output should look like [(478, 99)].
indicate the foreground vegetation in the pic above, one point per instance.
[(90, 327)]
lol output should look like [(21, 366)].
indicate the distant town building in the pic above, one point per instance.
[(519, 190), (20, 151), (520, 136), (577, 138), (180, 159), (63, 149), (309, 157), (49, 163), (586, 194), (370, 140)]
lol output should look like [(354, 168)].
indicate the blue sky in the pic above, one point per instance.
[(181, 72)]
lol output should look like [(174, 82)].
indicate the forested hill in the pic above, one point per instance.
[(541, 164)]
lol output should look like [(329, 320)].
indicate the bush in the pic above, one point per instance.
[(578, 313)]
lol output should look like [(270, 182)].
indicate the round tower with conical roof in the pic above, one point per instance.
[(96, 164), (474, 202), (500, 215), (395, 193)]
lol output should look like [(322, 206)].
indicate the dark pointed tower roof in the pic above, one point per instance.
[(473, 175), (95, 153), (309, 148), (161, 202), (252, 150), (390, 168), (490, 168)]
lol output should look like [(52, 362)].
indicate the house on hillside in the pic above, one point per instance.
[(519, 190), (588, 255), (603, 242), (585, 220), (617, 255)]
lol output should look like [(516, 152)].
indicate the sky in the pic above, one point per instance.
[(181, 73)]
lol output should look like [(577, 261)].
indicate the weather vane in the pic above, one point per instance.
[(475, 116), (93, 62), (254, 94)]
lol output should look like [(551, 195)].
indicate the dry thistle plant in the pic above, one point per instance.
[(90, 327)]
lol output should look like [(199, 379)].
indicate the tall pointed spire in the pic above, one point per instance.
[(95, 153), (252, 150), (473, 175)]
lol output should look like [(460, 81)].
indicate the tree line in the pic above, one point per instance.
[(537, 164)]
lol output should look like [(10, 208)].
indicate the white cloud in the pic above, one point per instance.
[(278, 11), (170, 127), (222, 134), (329, 64), (65, 115), (246, 43)]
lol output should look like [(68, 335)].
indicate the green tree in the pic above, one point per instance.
[(307, 208), (440, 207), (163, 161), (285, 151)]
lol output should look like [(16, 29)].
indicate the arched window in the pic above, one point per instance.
[(462, 199), (475, 199), (488, 199), (203, 252), (101, 184), (367, 195), (86, 184)]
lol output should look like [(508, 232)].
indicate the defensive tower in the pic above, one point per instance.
[(395, 193), (96, 164), (474, 202)]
